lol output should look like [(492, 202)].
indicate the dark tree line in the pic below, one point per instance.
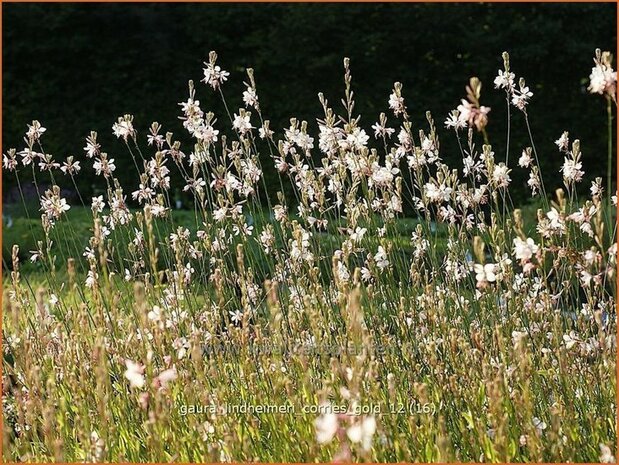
[(77, 67)]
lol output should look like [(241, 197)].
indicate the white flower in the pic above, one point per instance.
[(104, 166), (455, 121), (381, 258), (242, 123), (518, 337), (97, 204), (236, 316), (396, 104), (570, 340), (596, 188), (362, 432), (70, 167), (92, 147), (280, 212), (524, 250), (134, 373), (556, 222), (436, 193), (9, 161), (35, 130), (520, 98), (91, 279), (206, 133), (606, 455), (500, 175), (155, 314), (342, 272), (267, 240), (525, 159), (571, 170), (89, 253), (53, 206), (326, 426), (382, 131), (563, 142), (485, 273), (534, 181), (124, 127), (382, 176), (357, 139), (540, 426), (249, 97), (264, 132), (358, 234), (603, 79), (214, 75), (504, 80)]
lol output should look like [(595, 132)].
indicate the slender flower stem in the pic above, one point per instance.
[(542, 188), (609, 165), (509, 122)]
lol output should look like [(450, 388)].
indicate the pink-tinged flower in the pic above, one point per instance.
[(521, 96), (241, 123), (603, 79), (70, 167), (555, 222), (134, 373), (143, 400), (104, 166), (563, 142), (250, 98), (28, 156), (396, 101), (596, 188), (381, 131), (162, 380), (9, 160), (264, 132), (500, 175), (92, 147), (35, 131), (214, 76), (571, 170), (46, 163), (525, 159)]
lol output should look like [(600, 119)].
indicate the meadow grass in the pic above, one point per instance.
[(327, 325)]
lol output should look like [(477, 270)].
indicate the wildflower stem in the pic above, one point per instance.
[(543, 189), (609, 166)]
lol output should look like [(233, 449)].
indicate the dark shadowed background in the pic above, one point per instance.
[(77, 67)]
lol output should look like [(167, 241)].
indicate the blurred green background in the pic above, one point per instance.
[(77, 67)]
